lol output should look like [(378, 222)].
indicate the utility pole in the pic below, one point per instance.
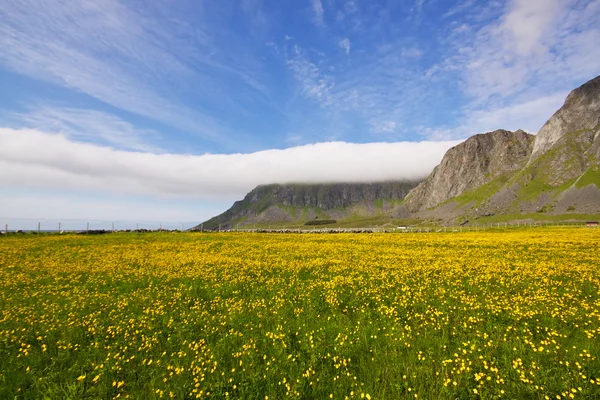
[(87, 228), (38, 228), (201, 227), (113, 227), (6, 229), (59, 227)]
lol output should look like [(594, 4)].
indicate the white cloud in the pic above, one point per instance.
[(527, 25), (34, 159), (345, 45), (318, 11)]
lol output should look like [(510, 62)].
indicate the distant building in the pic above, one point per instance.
[(591, 223)]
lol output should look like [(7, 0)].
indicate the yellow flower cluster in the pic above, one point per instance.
[(512, 314)]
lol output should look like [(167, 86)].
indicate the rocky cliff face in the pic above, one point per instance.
[(471, 164), (581, 111), (329, 196), (300, 202)]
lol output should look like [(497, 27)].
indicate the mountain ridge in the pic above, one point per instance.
[(298, 203)]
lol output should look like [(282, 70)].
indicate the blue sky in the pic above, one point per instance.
[(195, 102)]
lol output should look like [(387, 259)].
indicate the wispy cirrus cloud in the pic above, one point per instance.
[(86, 125), (382, 88), (528, 116), (312, 82), (459, 8), (318, 12), (345, 45), (516, 65), (120, 56), (535, 45)]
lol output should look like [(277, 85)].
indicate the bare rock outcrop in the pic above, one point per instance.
[(471, 164), (581, 112)]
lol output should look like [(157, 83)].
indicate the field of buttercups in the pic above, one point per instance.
[(497, 315)]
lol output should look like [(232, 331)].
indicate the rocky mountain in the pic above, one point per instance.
[(580, 113), (471, 164), (299, 203), (514, 175), (554, 172)]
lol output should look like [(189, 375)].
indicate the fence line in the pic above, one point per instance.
[(93, 227), (414, 229), (180, 227)]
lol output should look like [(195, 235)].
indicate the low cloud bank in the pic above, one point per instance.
[(35, 159)]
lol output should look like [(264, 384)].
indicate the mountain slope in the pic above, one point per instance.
[(300, 203)]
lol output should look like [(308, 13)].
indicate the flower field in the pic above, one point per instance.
[(508, 314)]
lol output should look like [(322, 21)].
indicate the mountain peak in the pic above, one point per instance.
[(581, 111)]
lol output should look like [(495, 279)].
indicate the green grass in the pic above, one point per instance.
[(482, 193), (532, 189), (591, 177), (291, 210), (320, 213), (537, 217), (354, 221)]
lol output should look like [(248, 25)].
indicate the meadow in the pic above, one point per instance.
[(509, 314)]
